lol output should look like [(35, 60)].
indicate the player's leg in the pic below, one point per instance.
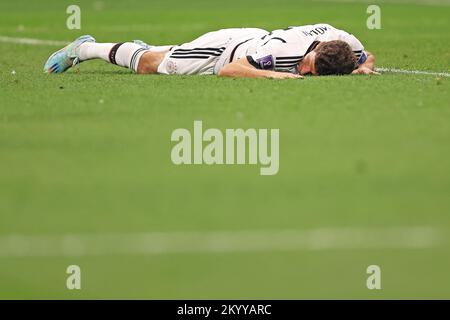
[(149, 62), (197, 56), (85, 48), (124, 54)]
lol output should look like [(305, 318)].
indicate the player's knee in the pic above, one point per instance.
[(145, 65)]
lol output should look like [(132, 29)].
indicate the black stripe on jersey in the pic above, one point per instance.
[(197, 53), (200, 49), (284, 69), (191, 57), (286, 65), (290, 58), (235, 48), (267, 35), (278, 38), (209, 54), (312, 47), (253, 62), (275, 38), (288, 61)]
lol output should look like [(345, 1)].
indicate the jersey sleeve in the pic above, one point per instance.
[(267, 53), (264, 57)]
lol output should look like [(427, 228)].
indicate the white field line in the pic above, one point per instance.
[(34, 42), (155, 243), (429, 73), (443, 3), (30, 41)]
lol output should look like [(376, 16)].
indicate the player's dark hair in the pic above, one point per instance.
[(334, 57)]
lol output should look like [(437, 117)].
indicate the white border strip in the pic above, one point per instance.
[(156, 243), (440, 3), (429, 73), (34, 42)]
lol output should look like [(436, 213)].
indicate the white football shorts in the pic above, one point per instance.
[(208, 53)]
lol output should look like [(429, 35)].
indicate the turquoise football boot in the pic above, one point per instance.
[(67, 57)]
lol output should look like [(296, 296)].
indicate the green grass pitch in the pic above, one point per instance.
[(88, 153)]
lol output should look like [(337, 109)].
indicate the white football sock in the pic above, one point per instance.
[(92, 50), (123, 54)]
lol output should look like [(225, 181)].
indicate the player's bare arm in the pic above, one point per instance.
[(243, 69), (368, 67)]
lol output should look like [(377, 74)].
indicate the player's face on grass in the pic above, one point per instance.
[(307, 65)]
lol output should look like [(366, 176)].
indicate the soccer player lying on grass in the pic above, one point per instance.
[(241, 52)]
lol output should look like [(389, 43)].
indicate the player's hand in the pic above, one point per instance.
[(364, 70), (284, 75)]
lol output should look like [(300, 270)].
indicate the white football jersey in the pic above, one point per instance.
[(282, 50)]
